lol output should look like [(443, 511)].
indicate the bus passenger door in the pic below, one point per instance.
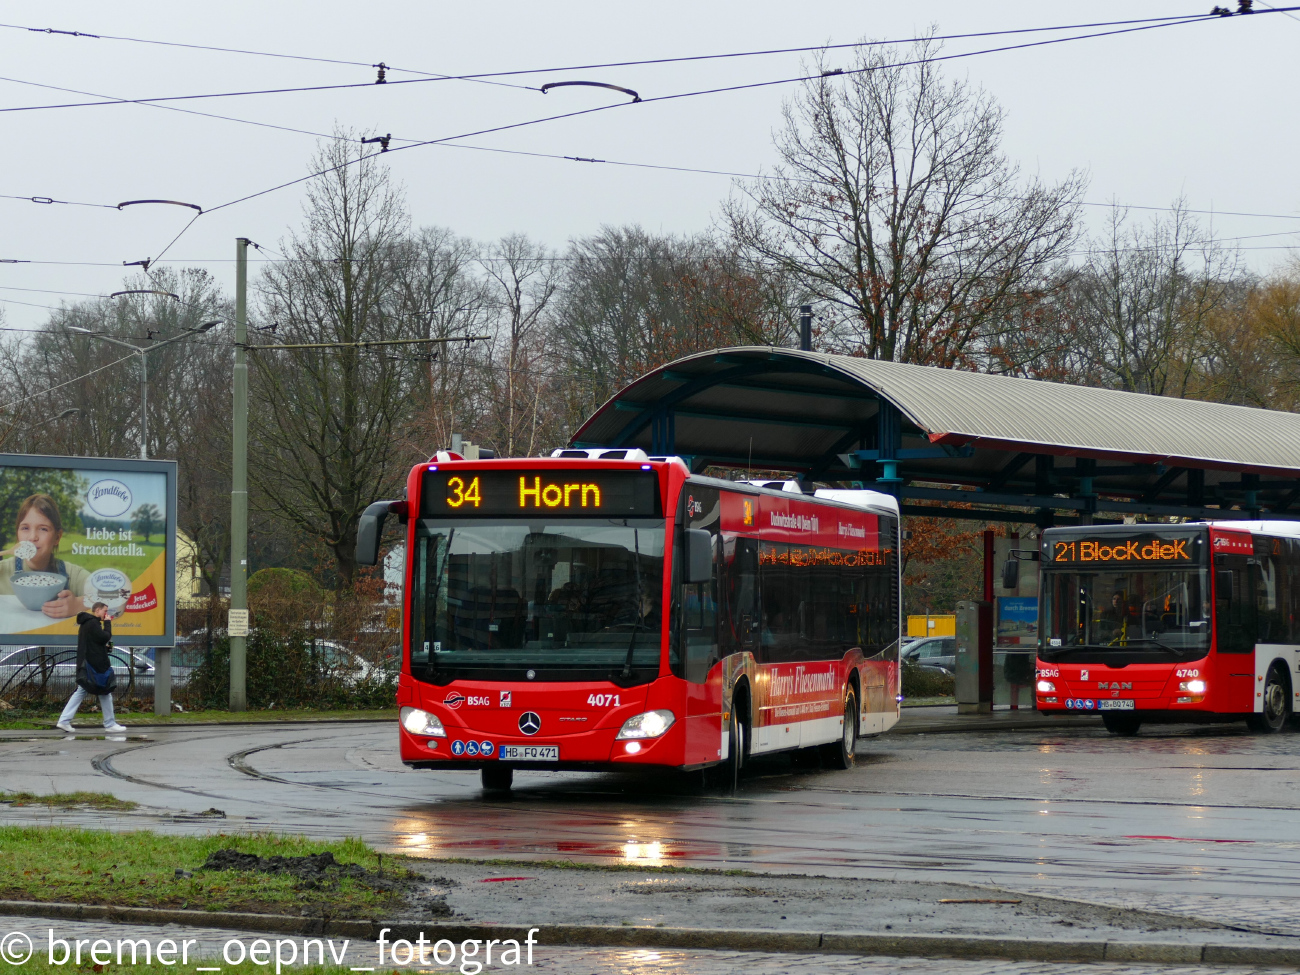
[(1235, 632)]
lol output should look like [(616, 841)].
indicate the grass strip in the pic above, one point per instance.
[(68, 800), (140, 869)]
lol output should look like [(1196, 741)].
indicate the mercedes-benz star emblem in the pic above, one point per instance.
[(530, 723)]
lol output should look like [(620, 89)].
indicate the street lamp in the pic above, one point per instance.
[(162, 686), (142, 351)]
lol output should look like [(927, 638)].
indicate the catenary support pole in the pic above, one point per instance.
[(144, 406), (239, 482)]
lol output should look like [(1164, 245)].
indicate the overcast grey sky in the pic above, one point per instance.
[(1204, 110)]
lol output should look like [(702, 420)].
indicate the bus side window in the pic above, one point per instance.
[(742, 594), (1235, 603), (1271, 623), (699, 624)]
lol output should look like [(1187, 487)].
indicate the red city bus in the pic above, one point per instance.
[(1188, 622), (603, 609)]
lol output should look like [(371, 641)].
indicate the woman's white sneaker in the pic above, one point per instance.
[(116, 727)]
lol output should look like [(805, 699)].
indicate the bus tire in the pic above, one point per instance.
[(1277, 704), (497, 778), (843, 753), (1121, 724), (737, 749)]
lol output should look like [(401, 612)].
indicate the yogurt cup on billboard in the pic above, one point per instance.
[(112, 587)]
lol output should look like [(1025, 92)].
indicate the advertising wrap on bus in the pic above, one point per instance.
[(75, 531), (594, 613)]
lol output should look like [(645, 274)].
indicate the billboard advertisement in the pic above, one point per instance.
[(75, 531)]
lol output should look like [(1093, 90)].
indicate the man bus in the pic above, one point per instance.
[(603, 609), (1189, 622)]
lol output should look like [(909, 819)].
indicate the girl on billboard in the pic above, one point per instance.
[(39, 530)]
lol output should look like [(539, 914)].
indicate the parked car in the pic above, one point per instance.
[(934, 652), (340, 662), (55, 669), (187, 655)]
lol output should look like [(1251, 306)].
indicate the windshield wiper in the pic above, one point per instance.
[(1159, 643)]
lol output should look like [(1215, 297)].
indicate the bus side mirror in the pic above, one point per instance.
[(699, 556), (1223, 584), (1011, 574), (370, 528)]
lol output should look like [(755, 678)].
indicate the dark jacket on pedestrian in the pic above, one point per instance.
[(93, 642)]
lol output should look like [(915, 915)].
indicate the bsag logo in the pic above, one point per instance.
[(109, 498), (454, 700)]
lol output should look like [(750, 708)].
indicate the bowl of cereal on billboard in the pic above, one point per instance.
[(35, 589)]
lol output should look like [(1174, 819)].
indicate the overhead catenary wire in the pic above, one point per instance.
[(434, 75), (1143, 24), (75, 379), (710, 91), (764, 52), (366, 344)]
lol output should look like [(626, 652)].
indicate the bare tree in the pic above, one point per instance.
[(896, 210), (445, 298), (1143, 305), (326, 424), (522, 279), (631, 300)]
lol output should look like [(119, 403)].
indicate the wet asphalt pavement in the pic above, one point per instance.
[(1194, 822)]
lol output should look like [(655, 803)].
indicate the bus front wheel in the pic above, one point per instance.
[(1121, 724), (841, 754), (1277, 704)]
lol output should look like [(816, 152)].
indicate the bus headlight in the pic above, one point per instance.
[(1191, 687), (1046, 687), (648, 724), (419, 722)]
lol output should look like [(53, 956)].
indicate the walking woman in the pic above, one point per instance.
[(94, 668)]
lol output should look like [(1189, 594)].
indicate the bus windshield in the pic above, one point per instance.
[(550, 601), (1160, 611)]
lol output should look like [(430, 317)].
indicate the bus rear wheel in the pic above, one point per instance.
[(498, 778), (1277, 704), (842, 754), (1121, 724)]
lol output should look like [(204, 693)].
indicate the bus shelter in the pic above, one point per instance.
[(963, 445), (1005, 449)]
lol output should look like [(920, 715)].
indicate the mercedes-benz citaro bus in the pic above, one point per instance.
[(1188, 622), (604, 609)]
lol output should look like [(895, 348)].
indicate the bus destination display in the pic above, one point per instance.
[(1112, 549), (580, 493)]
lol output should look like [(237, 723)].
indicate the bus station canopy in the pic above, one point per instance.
[(978, 445)]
